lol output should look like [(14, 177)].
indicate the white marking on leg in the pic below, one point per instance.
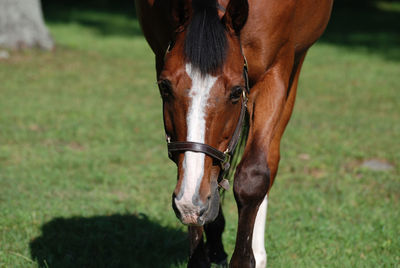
[(193, 162), (257, 243)]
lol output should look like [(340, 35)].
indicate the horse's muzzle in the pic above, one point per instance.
[(196, 213)]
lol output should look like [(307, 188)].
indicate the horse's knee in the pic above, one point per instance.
[(252, 178)]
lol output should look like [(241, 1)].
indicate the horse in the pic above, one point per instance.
[(223, 66)]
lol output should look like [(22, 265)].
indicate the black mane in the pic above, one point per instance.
[(205, 44)]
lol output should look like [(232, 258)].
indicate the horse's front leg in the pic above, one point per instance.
[(215, 248), (251, 184), (202, 255), (256, 172), (198, 255)]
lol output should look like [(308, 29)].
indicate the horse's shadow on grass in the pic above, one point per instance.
[(108, 241)]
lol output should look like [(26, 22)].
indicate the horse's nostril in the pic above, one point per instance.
[(205, 207), (201, 212)]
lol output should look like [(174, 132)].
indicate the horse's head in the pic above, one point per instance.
[(202, 84)]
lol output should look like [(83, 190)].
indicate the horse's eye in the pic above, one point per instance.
[(236, 93), (165, 89)]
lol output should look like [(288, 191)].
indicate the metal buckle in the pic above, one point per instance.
[(226, 163), (168, 140), (245, 98)]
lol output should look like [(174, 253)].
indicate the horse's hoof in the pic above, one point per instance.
[(221, 264)]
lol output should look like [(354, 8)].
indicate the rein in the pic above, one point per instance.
[(224, 158)]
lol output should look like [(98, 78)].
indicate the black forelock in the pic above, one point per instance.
[(205, 43)]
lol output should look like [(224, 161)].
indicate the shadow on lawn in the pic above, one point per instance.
[(107, 20), (371, 29), (108, 241), (356, 27)]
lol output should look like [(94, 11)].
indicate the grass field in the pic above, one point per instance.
[(85, 180)]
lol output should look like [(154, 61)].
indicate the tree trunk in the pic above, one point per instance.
[(22, 25)]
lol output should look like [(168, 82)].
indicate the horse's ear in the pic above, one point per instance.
[(180, 13), (236, 15)]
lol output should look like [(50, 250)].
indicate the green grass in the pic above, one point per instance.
[(85, 180)]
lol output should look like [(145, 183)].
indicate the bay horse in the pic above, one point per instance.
[(219, 62)]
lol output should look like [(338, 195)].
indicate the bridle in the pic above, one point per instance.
[(223, 158)]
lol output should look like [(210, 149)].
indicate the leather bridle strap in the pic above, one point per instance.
[(236, 135), (181, 146)]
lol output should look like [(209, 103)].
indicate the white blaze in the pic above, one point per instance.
[(193, 162), (257, 243)]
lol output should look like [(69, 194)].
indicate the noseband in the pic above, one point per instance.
[(222, 157)]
